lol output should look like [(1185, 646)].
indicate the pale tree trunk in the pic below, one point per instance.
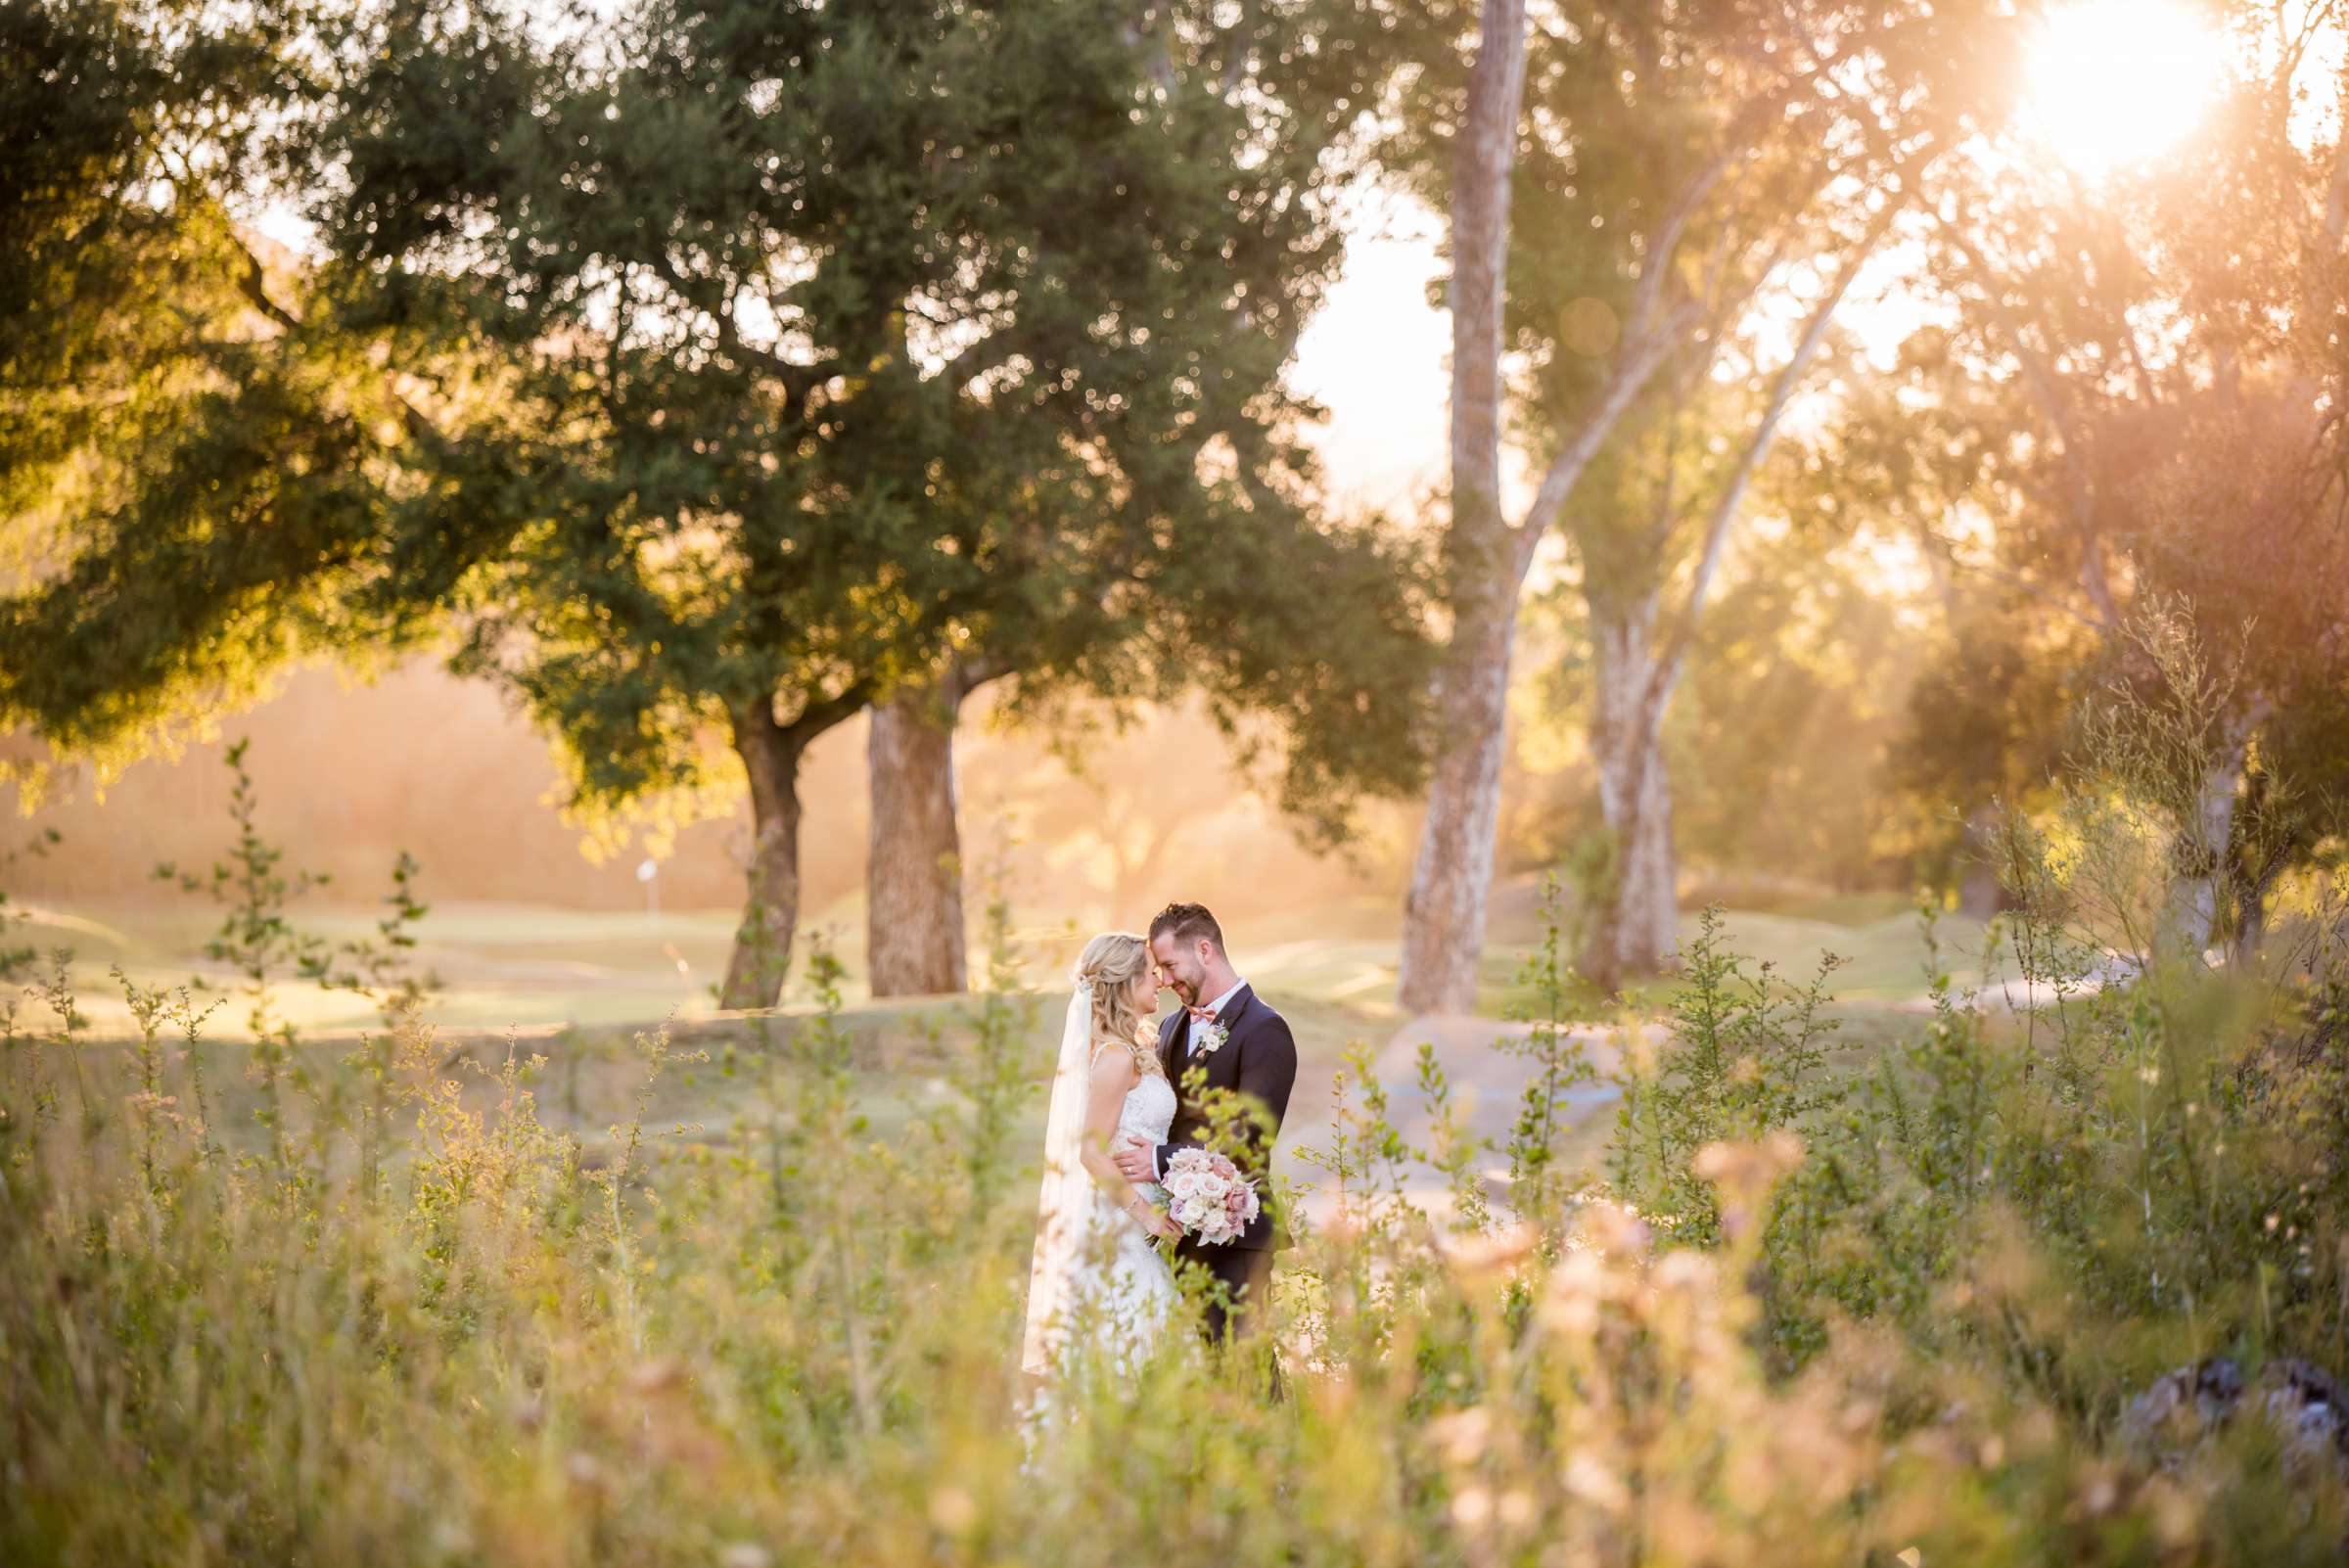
[(1650, 922), (2192, 916), (2191, 919), (913, 877), (771, 755), (1980, 896), (2253, 871), (1634, 929), (1487, 558), (1443, 921), (1444, 917)]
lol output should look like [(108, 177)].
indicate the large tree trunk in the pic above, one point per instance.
[(1634, 929), (762, 955), (913, 879), (1444, 919)]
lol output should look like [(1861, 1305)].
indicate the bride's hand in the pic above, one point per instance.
[(1153, 1219)]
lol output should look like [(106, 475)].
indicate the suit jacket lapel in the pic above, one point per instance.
[(1221, 1068), (1175, 1030), (1169, 1032), (1237, 1008)]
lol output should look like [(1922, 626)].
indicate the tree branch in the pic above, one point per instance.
[(967, 672), (798, 380), (1486, 157), (826, 713), (1636, 364), (2048, 394), (251, 282), (1655, 266), (1664, 669)]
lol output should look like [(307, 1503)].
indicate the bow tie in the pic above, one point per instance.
[(1204, 1015)]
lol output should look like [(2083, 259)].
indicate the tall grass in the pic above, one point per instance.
[(1810, 1309)]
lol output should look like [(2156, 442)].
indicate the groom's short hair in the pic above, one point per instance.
[(1189, 922)]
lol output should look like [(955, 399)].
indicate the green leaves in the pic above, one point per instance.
[(749, 354)]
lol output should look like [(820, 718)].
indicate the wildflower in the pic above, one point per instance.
[(1463, 1434), (953, 1510), (1494, 1250), (1593, 1483), (1744, 1174), (654, 1376), (1608, 1227), (1690, 1272), (2099, 1489), (1578, 1286)]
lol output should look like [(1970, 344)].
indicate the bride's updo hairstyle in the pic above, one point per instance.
[(1108, 968)]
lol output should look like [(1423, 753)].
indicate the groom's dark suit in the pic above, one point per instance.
[(1258, 1062)]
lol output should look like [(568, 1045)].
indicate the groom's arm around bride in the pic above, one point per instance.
[(1240, 1116), (1233, 1062)]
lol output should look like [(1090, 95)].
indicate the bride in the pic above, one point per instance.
[(1097, 1283)]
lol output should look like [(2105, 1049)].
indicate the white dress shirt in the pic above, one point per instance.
[(1190, 1039)]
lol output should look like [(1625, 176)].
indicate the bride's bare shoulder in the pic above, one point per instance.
[(1129, 1058)]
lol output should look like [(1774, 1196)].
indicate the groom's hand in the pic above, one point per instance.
[(1134, 1164)]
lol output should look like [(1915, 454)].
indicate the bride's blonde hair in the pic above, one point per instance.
[(1108, 967)]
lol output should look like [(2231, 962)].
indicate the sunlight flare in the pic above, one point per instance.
[(2118, 82)]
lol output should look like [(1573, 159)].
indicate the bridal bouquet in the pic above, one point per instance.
[(1210, 1199)]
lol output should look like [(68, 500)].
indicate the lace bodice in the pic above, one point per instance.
[(1148, 1113)]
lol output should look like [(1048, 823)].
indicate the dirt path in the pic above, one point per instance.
[(1486, 1083)]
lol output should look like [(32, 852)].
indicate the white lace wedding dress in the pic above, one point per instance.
[(1122, 1285), (1099, 1292)]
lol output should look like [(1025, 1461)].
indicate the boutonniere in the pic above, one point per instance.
[(1212, 1036)]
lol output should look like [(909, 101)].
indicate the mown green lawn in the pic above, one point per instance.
[(577, 986)]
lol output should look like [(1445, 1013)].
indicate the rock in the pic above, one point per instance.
[(2179, 1413), (2304, 1405), (2182, 1406)]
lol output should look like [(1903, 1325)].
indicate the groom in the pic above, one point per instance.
[(1243, 1047)]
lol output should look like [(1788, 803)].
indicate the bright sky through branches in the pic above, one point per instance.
[(2116, 82), (2110, 83)]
